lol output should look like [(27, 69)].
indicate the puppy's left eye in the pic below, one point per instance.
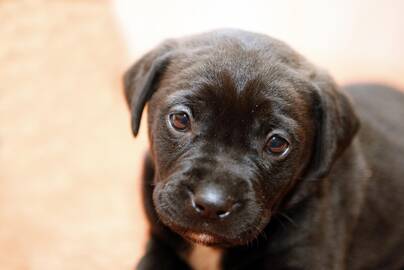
[(180, 121), (277, 145)]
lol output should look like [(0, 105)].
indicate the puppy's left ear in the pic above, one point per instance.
[(336, 124), (142, 79)]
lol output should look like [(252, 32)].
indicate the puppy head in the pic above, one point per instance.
[(236, 120)]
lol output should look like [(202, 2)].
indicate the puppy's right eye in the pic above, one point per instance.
[(180, 121)]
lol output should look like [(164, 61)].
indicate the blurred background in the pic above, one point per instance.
[(69, 166)]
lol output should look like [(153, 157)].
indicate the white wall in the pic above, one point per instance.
[(354, 39)]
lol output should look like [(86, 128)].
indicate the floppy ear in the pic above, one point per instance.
[(336, 124), (141, 80)]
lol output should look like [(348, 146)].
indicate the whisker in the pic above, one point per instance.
[(264, 235), (280, 221), (289, 219)]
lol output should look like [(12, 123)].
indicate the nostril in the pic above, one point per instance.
[(222, 214), (199, 207)]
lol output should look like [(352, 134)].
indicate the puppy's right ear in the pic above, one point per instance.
[(142, 79)]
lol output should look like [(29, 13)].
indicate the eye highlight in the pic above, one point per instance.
[(277, 145), (180, 121)]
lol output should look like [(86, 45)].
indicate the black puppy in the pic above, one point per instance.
[(256, 153)]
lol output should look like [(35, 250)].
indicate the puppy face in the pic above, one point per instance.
[(226, 151), (236, 122)]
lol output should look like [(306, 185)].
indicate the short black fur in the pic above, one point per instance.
[(334, 200)]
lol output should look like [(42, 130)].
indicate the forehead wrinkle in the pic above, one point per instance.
[(234, 62), (289, 124), (180, 97), (287, 94), (222, 97)]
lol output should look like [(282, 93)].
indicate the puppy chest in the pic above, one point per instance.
[(204, 258)]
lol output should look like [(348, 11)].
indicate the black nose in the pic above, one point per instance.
[(212, 201)]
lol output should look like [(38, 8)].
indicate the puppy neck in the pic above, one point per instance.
[(204, 258)]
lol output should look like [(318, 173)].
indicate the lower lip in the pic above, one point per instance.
[(202, 238)]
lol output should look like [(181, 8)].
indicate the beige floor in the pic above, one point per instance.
[(69, 165)]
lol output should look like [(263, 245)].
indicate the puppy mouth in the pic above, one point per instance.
[(202, 238), (207, 238), (216, 233)]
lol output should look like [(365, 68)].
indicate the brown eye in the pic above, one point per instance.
[(277, 145), (180, 121)]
